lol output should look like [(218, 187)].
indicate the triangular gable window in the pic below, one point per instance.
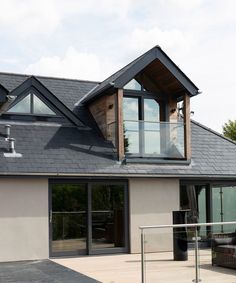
[(31, 104), (133, 85)]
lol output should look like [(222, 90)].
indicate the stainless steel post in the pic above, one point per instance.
[(197, 273), (142, 257)]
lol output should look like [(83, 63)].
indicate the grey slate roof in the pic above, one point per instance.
[(55, 150)]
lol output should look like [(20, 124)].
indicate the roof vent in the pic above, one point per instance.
[(11, 142)]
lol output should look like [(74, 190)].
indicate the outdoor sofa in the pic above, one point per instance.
[(224, 249)]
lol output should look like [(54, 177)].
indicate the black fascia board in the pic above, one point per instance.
[(129, 74), (95, 94), (147, 58), (176, 71), (34, 82)]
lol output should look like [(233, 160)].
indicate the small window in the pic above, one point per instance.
[(31, 104), (21, 107), (133, 85)]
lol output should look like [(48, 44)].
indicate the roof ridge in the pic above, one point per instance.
[(47, 77), (212, 131)]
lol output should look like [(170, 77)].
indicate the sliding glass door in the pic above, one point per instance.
[(88, 218), (108, 223), (69, 219)]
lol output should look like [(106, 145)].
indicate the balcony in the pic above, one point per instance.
[(154, 139)]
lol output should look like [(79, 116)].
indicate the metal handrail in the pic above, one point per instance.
[(187, 225), (194, 225)]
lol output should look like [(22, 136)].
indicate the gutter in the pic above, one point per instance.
[(143, 175)]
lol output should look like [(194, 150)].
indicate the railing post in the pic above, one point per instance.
[(197, 273), (142, 257)]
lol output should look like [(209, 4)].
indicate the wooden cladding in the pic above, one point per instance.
[(187, 130), (108, 114), (104, 113), (120, 127)]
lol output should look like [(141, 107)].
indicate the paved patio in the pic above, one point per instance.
[(40, 271), (160, 268)]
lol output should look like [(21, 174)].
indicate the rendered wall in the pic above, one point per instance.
[(23, 219), (151, 203)]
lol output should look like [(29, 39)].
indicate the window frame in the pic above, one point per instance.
[(141, 96), (32, 93)]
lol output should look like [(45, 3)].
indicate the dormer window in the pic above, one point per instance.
[(31, 104), (141, 125), (149, 128)]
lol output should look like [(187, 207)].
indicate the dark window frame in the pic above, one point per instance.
[(32, 92), (141, 96), (88, 182)]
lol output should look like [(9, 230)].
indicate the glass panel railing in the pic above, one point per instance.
[(177, 253), (156, 139)]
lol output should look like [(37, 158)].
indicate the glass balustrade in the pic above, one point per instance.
[(154, 139)]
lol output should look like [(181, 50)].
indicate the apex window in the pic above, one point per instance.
[(31, 104)]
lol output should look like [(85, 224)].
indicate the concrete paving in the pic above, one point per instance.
[(160, 268), (41, 271)]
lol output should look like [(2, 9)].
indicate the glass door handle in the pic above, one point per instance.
[(50, 216)]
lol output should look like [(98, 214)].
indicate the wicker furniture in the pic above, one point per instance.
[(224, 249)]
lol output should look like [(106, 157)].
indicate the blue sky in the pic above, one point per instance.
[(92, 39)]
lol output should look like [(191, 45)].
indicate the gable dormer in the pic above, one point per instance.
[(144, 109), (33, 101)]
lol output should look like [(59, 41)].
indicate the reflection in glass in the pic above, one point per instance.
[(69, 218), (133, 85), (151, 138), (223, 203), (130, 108), (151, 110), (40, 107), (201, 199), (107, 216), (131, 125), (31, 104), (21, 107)]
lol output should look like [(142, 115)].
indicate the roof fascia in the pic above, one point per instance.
[(151, 55), (144, 60), (34, 82), (175, 70)]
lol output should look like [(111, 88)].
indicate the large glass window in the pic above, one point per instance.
[(31, 104), (141, 125), (88, 218), (215, 203), (223, 205)]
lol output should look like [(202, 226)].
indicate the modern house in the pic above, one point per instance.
[(83, 164)]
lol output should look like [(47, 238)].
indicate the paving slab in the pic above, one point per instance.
[(40, 271), (160, 268)]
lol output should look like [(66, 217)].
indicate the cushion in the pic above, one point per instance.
[(222, 241)]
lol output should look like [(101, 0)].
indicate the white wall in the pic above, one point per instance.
[(151, 203), (23, 219)]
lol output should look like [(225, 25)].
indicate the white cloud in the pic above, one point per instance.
[(28, 17), (74, 64), (141, 40)]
